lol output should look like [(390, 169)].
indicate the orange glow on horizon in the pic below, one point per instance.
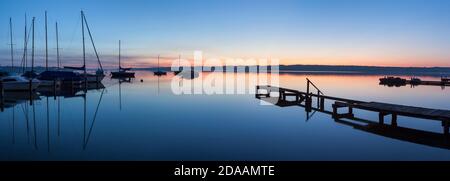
[(392, 62)]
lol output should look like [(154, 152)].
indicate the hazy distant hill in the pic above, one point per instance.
[(339, 69), (327, 69)]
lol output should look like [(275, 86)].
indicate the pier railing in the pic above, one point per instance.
[(308, 83)]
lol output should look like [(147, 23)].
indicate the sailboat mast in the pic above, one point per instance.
[(93, 44), (158, 63), (84, 46), (46, 43), (57, 46), (25, 45), (32, 47), (120, 67), (11, 43)]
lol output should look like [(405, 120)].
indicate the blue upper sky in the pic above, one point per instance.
[(356, 32)]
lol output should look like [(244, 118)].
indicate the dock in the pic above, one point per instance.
[(342, 108)]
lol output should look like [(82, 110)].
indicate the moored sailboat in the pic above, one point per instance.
[(123, 72), (59, 77), (159, 72), (99, 75), (16, 82)]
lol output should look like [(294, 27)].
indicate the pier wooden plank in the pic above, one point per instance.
[(385, 108), (406, 110)]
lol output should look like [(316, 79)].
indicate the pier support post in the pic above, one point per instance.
[(381, 117), (308, 103), (322, 104), (446, 125), (394, 120), (335, 111), (318, 99)]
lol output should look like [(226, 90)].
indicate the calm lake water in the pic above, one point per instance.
[(147, 121)]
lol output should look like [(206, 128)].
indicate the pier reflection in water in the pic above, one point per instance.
[(134, 120)]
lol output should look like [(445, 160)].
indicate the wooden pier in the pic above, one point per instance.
[(288, 97), (429, 82)]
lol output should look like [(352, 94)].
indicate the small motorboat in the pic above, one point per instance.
[(18, 83)]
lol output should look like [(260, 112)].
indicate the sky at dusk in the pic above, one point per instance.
[(331, 32)]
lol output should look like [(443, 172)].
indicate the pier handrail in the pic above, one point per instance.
[(319, 92)]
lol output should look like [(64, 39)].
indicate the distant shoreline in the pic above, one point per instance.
[(320, 69), (342, 69)]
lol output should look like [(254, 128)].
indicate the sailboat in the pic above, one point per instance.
[(15, 82), (30, 74), (58, 77), (179, 68), (98, 76), (2, 72), (159, 72), (51, 77), (122, 73)]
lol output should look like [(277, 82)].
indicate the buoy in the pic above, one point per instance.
[(142, 80)]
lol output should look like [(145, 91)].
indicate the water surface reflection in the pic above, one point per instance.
[(134, 120)]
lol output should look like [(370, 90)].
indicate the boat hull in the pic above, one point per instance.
[(49, 83), (160, 73), (93, 78), (20, 86), (122, 74)]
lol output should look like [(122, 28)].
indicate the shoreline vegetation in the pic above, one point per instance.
[(316, 69), (342, 69)]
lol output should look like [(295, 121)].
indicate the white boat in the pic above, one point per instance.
[(18, 83), (94, 78)]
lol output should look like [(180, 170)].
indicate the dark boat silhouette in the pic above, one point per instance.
[(159, 72), (393, 81), (179, 68), (123, 72), (99, 74), (59, 76)]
